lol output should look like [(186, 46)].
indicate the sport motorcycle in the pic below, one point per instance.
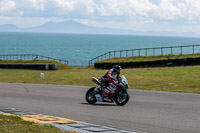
[(108, 92)]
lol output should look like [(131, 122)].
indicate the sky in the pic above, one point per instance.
[(138, 15)]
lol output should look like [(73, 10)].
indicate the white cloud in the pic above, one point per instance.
[(9, 8), (121, 9), (6, 5), (168, 10), (136, 14), (65, 5), (193, 9), (142, 7), (39, 4)]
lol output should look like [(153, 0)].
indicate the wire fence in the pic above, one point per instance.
[(30, 57), (187, 49), (41, 57)]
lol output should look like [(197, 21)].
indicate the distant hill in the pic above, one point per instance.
[(71, 26)]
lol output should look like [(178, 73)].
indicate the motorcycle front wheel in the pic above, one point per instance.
[(90, 96), (121, 97)]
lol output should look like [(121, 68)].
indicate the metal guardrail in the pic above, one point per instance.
[(146, 52), (112, 54), (30, 57), (41, 57)]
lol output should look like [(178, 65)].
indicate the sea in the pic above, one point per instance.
[(78, 49)]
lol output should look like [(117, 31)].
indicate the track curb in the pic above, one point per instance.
[(61, 123)]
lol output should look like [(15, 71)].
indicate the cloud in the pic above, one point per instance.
[(8, 8), (193, 10), (65, 5), (169, 10), (6, 5), (131, 13), (39, 4)]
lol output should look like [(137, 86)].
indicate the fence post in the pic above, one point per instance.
[(132, 52), (181, 50), (161, 51), (146, 51), (126, 53), (171, 51), (153, 51), (139, 52), (193, 49), (120, 53)]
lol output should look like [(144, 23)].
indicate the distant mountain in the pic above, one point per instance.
[(71, 26)]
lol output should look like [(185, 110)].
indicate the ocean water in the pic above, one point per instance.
[(80, 48)]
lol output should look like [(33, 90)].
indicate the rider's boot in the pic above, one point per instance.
[(97, 93)]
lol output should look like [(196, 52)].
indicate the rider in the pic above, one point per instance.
[(112, 76)]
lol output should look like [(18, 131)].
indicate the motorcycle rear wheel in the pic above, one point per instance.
[(121, 99), (90, 96)]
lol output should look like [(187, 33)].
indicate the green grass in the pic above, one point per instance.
[(14, 124), (148, 58), (60, 65), (179, 79)]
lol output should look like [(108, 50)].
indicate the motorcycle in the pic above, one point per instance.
[(106, 94)]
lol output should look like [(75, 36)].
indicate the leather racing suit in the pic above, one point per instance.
[(111, 79)]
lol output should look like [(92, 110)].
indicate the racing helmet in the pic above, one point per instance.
[(117, 69)]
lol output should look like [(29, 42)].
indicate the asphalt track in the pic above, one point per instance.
[(147, 111)]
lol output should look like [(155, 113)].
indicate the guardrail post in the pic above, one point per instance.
[(146, 51), (193, 49), (89, 63), (181, 50), (139, 52), (171, 51), (132, 52)]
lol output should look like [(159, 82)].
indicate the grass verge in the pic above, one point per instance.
[(178, 79), (60, 65), (14, 124)]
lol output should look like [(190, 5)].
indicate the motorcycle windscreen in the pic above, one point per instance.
[(124, 81)]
